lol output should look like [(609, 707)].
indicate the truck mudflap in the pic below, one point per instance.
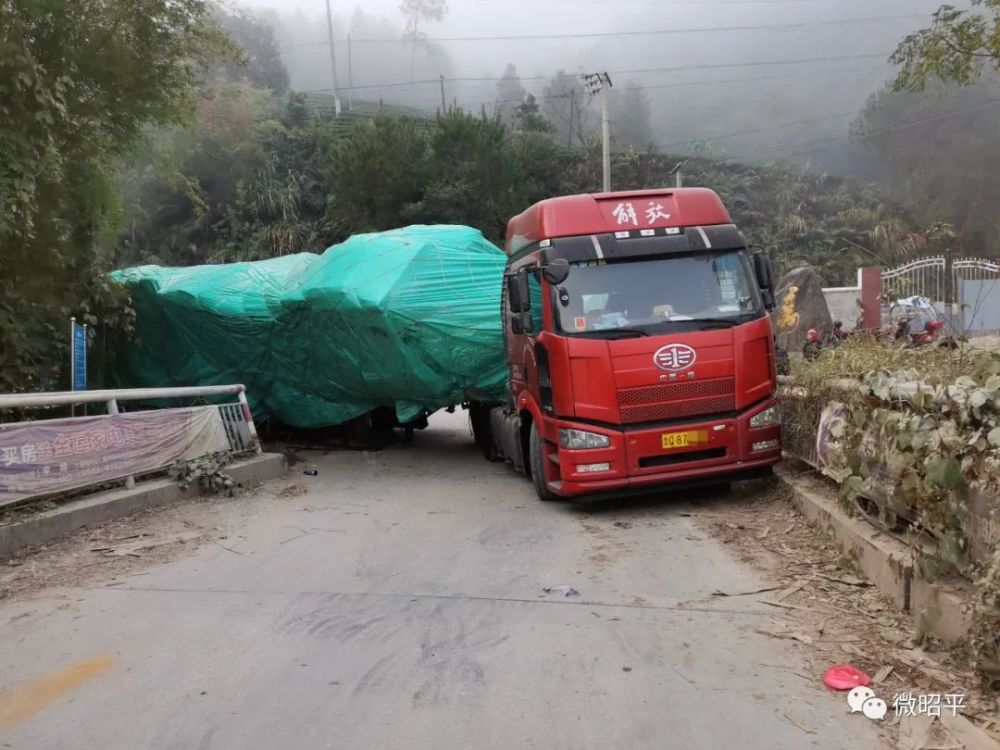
[(505, 430)]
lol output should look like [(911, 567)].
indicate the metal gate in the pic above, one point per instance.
[(962, 290)]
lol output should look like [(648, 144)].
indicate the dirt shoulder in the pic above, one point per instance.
[(126, 547), (831, 615)]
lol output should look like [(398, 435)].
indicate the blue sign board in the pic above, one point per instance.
[(79, 357)]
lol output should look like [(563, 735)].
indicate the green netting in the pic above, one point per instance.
[(408, 319)]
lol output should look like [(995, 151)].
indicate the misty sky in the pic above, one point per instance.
[(717, 105)]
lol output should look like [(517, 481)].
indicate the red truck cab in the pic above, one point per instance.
[(639, 344)]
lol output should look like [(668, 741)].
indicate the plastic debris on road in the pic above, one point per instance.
[(407, 319), (564, 590), (845, 677)]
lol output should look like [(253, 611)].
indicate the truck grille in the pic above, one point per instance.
[(676, 400)]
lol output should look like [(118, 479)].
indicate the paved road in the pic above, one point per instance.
[(399, 603)]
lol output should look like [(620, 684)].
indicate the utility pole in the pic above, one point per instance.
[(333, 60), (600, 83), (678, 174), (444, 105), (350, 75), (572, 108)]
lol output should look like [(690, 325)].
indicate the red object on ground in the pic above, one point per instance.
[(845, 677)]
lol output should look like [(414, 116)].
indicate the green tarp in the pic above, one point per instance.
[(408, 319)]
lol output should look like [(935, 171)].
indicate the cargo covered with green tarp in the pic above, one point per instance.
[(407, 319)]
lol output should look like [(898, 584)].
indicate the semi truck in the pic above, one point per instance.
[(639, 346)]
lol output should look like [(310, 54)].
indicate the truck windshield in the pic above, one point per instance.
[(657, 296)]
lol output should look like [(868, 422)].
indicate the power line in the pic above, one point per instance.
[(878, 131), (778, 126), (477, 98), (764, 129), (662, 2), (635, 32), (760, 64), (800, 147), (751, 79), (473, 99), (634, 71)]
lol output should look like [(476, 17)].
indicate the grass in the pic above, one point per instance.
[(860, 355)]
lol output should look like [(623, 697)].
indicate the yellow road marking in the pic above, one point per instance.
[(24, 701)]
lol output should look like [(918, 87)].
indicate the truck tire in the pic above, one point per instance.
[(535, 461)]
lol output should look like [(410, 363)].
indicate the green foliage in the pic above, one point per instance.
[(205, 472), (528, 118), (917, 441), (464, 170), (78, 84), (260, 60), (244, 182), (946, 177), (958, 46), (378, 172)]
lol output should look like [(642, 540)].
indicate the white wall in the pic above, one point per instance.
[(843, 303)]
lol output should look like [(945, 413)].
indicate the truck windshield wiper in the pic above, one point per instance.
[(623, 333), (709, 323)]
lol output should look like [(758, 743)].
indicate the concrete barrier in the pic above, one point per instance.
[(105, 506), (939, 609)]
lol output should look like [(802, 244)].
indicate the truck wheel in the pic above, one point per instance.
[(536, 458)]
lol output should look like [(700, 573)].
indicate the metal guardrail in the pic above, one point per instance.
[(237, 419), (63, 398), (799, 421)]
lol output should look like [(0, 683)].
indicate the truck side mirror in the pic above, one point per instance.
[(517, 293), (521, 323), (764, 271), (556, 271)]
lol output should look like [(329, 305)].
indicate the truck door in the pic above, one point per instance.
[(523, 316)]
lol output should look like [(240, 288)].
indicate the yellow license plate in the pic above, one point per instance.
[(683, 439)]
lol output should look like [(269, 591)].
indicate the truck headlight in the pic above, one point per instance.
[(764, 418), (576, 440)]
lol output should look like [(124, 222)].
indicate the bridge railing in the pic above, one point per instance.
[(43, 457)]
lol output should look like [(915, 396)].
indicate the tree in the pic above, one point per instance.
[(563, 100), (79, 84), (925, 164), (528, 119), (510, 94), (260, 62), (631, 117), (415, 12), (958, 46), (246, 181), (378, 172)]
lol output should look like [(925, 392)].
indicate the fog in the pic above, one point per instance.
[(798, 88)]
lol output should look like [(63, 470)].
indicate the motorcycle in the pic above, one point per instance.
[(815, 343), (928, 334)]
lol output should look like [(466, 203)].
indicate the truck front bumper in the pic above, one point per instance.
[(636, 460)]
